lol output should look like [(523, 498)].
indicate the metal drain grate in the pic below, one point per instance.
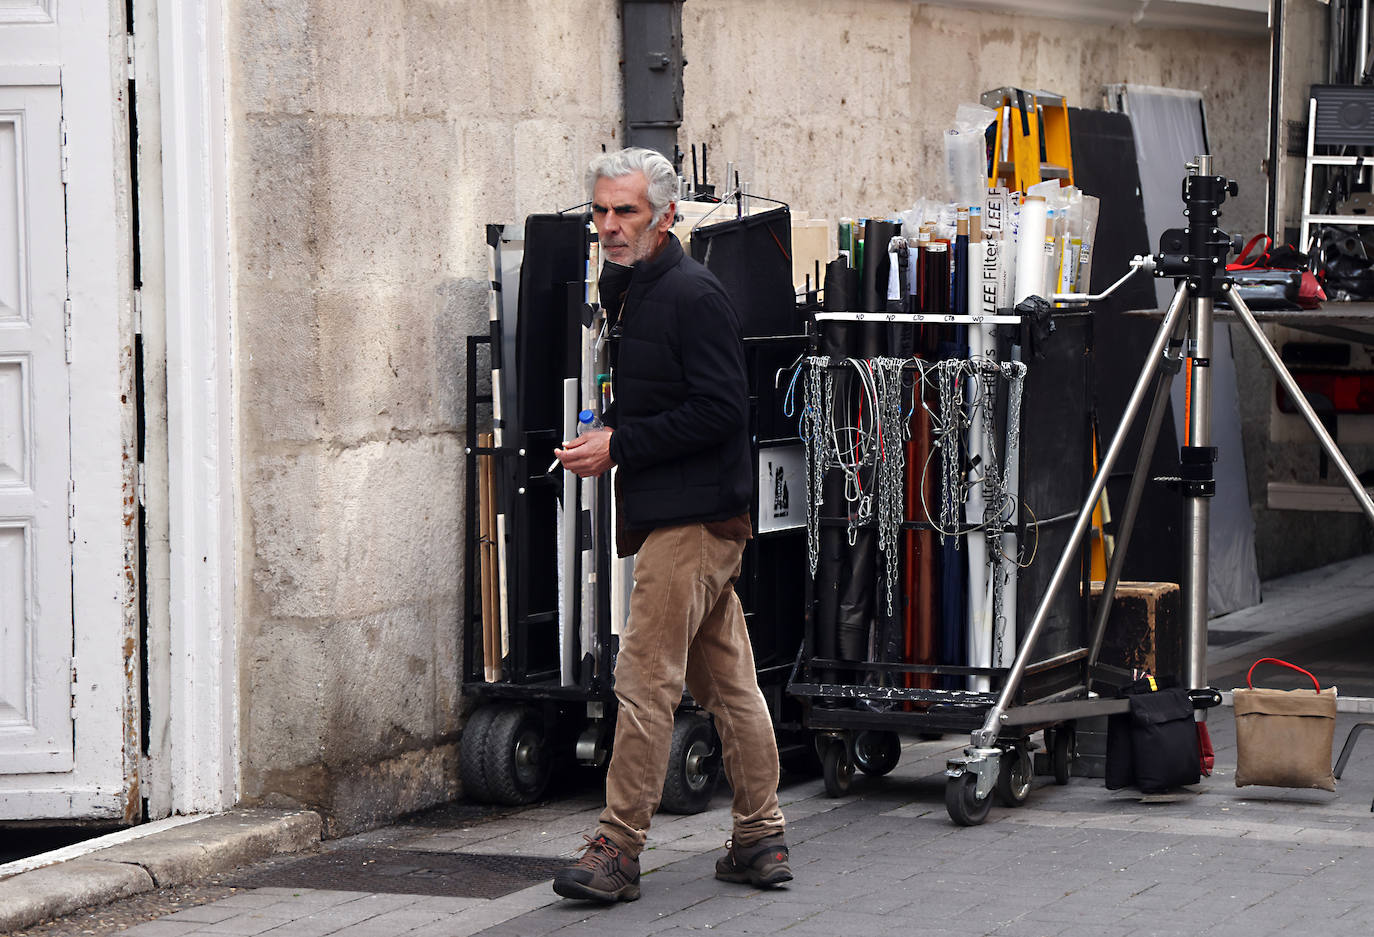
[(408, 872)]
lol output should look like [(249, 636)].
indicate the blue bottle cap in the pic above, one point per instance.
[(586, 416)]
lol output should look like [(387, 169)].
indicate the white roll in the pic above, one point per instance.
[(979, 610), (1030, 249)]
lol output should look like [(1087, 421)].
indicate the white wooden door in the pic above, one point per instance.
[(69, 673), (35, 552), (35, 437)]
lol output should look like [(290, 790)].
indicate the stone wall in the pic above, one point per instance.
[(838, 106), (370, 144)]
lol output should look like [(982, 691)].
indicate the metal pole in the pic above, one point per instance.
[(1300, 400), (986, 735), (1202, 194), (1362, 52), (1197, 507), (1133, 497)]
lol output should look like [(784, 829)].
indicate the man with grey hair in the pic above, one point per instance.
[(678, 435)]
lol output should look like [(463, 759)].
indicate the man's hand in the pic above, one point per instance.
[(588, 455)]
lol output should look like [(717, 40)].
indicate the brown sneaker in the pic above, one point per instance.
[(762, 864), (604, 873)]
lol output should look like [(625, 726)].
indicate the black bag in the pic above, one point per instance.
[(1164, 740), (1154, 746), (1268, 289)]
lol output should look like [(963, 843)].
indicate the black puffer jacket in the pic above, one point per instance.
[(681, 395)]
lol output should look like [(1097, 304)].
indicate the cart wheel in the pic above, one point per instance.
[(1014, 776), (1061, 753), (961, 800), (472, 754), (838, 769), (693, 765), (877, 753), (517, 757)]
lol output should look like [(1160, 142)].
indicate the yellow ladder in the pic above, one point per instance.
[(1032, 142)]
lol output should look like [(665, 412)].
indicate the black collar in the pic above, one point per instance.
[(668, 257), (617, 279)]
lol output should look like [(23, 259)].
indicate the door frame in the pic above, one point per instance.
[(192, 664)]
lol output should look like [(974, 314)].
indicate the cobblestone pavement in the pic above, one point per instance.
[(1074, 860)]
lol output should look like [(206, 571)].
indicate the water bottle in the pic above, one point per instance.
[(587, 421)]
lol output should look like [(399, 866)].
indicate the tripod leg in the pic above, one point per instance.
[(1300, 401), (1069, 560), (1126, 525)]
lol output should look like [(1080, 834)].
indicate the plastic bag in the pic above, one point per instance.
[(966, 154)]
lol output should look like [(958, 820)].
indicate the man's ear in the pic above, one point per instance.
[(668, 218)]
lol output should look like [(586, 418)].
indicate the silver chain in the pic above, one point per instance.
[(871, 437), (817, 398), (892, 468)]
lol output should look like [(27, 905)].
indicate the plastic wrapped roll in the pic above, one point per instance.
[(838, 297), (874, 273), (1030, 249), (838, 341), (980, 342), (935, 270), (920, 588)]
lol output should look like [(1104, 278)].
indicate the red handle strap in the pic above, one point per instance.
[(1281, 663), (1244, 261)]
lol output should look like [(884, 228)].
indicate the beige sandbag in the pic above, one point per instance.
[(1284, 737)]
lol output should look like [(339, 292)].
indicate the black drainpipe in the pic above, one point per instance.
[(651, 66)]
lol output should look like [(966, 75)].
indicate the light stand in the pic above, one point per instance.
[(1196, 257)]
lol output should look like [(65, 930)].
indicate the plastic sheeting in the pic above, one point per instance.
[(1170, 132)]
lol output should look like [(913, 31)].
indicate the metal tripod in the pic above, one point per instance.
[(1196, 256)]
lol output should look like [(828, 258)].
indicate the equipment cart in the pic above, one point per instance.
[(1055, 673), (544, 591), (936, 662)]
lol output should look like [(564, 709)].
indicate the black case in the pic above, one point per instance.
[(1164, 741), (1154, 746)]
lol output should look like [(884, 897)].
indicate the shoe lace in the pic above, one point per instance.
[(598, 852)]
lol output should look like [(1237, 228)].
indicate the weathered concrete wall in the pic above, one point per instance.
[(371, 142), (838, 106)]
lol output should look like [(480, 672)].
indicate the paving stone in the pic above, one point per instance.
[(244, 925), (1075, 861), (162, 928), (250, 898), (205, 914)]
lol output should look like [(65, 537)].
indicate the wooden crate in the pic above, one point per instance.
[(1145, 629)]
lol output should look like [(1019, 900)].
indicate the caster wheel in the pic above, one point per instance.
[(693, 765), (838, 769), (1061, 754), (517, 757), (1014, 776), (472, 754), (877, 753), (962, 803)]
